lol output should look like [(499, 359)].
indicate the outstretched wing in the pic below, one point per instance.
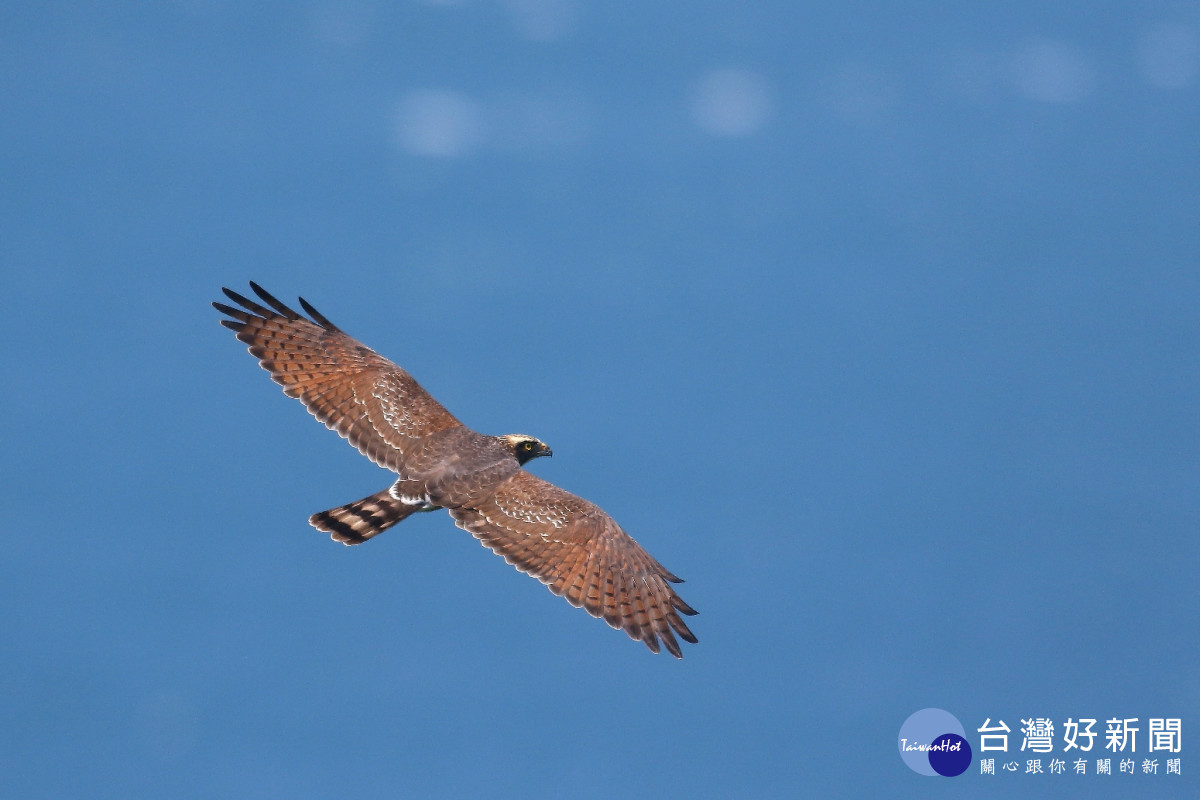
[(580, 553), (367, 399)]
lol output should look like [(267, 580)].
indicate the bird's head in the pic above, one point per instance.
[(525, 447)]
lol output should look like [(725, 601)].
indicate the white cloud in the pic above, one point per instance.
[(544, 20), (439, 123), (731, 102), (1052, 72)]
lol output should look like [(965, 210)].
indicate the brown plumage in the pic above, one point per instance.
[(564, 541)]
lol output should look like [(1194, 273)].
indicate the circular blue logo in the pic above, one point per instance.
[(933, 742), (950, 755)]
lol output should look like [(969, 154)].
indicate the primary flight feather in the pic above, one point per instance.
[(564, 541)]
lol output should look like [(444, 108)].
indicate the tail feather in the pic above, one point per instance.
[(356, 522)]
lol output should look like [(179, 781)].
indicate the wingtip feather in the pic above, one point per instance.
[(270, 299), (317, 316)]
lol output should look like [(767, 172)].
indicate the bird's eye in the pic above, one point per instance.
[(527, 446)]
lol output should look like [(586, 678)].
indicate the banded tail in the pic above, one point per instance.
[(356, 522)]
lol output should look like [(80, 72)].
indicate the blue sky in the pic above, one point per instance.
[(879, 324)]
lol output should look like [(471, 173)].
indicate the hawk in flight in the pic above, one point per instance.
[(564, 541)]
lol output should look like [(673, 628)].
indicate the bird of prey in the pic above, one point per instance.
[(564, 541)]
